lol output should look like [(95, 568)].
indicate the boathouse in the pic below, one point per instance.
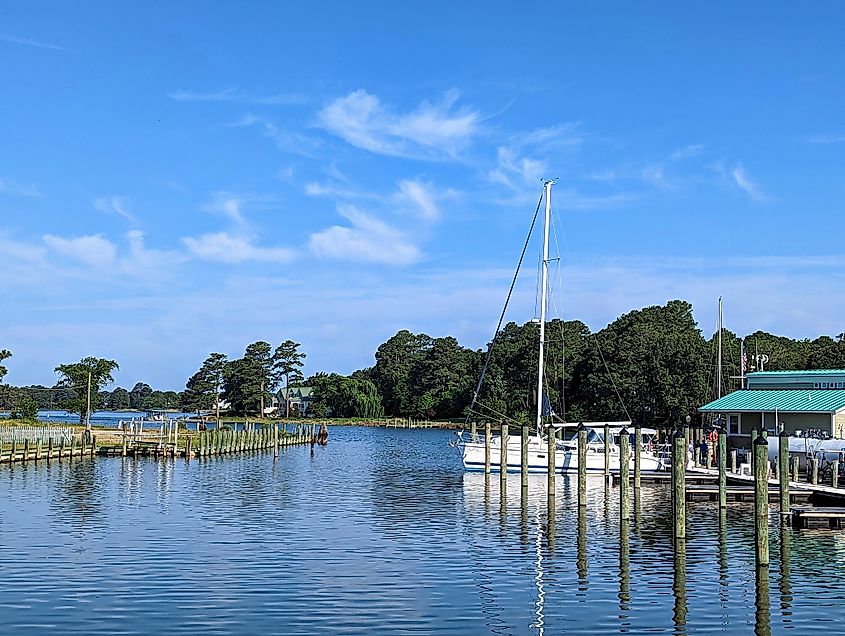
[(799, 400)]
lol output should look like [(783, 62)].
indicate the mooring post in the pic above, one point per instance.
[(275, 440), (834, 465), (754, 434), (487, 447), (582, 464), (503, 455), (814, 477), (796, 462), (552, 448), (624, 475), (26, 450), (783, 471), (37, 449), (723, 460), (93, 445), (761, 499), (606, 452), (524, 458), (472, 431), (187, 447), (679, 457), (733, 461), (638, 440)]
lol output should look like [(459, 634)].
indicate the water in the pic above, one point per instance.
[(382, 532)]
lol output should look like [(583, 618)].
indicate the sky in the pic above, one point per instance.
[(178, 178)]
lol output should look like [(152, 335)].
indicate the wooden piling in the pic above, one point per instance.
[(754, 434), (93, 445), (679, 456), (49, 449), (624, 475), (503, 455), (275, 440), (582, 465), (796, 462), (524, 458), (733, 461), (723, 477), (814, 475), (73, 447), (62, 448), (26, 450), (761, 500), (638, 441), (679, 581), (37, 449), (606, 452), (783, 471), (187, 446), (487, 447), (834, 465)]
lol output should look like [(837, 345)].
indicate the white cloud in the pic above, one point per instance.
[(232, 95), (29, 42), (228, 205), (93, 249), (115, 205), (227, 248), (747, 185), (421, 196), (13, 187), (367, 239), (431, 131), (826, 139), (285, 140)]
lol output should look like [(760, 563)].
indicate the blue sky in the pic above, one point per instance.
[(181, 178)]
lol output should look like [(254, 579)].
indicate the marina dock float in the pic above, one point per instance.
[(817, 492), (741, 494), (653, 477), (803, 517)]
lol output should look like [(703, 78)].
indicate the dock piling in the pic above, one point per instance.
[(761, 500), (503, 456), (834, 478), (679, 455), (606, 453), (524, 458), (624, 475), (638, 439), (487, 447), (733, 461), (723, 477), (582, 465), (783, 471), (552, 447), (814, 474)]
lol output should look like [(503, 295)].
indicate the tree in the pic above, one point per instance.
[(260, 359), (287, 364), (5, 354), (247, 380), (344, 396), (87, 378), (139, 396), (392, 373), (202, 390)]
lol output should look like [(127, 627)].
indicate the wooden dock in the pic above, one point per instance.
[(740, 494), (39, 451), (805, 517), (659, 477)]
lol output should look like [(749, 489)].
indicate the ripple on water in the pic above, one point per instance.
[(383, 532)]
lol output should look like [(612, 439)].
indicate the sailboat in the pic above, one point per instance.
[(546, 453)]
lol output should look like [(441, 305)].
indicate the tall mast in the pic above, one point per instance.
[(719, 362), (544, 284)]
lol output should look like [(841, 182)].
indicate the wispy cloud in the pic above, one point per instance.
[(227, 248), (826, 139), (293, 142), (232, 95), (93, 249), (365, 239), (745, 184), (228, 205), (431, 131), (30, 42), (9, 186), (115, 205)]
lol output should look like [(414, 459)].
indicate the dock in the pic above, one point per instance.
[(741, 494), (805, 517)]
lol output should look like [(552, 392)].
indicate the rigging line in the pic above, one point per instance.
[(507, 301), (559, 276), (492, 411), (612, 381)]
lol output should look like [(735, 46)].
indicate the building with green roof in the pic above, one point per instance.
[(799, 400)]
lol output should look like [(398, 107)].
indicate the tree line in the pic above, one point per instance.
[(652, 364)]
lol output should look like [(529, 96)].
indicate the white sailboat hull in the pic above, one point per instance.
[(566, 457)]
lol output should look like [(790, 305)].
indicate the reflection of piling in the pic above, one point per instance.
[(524, 458), (624, 567), (761, 500), (582, 465), (679, 581), (762, 614), (550, 510), (487, 447), (624, 476), (783, 471), (552, 444), (581, 563), (723, 554), (723, 477), (638, 440), (785, 566), (606, 454), (503, 457), (679, 456)]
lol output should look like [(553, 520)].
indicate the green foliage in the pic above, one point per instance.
[(287, 364), (5, 354), (344, 396), (88, 374), (26, 408), (202, 390)]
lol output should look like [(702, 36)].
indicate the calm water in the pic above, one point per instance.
[(382, 532)]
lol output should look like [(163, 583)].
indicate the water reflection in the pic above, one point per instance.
[(581, 546), (784, 584), (722, 540), (624, 571), (679, 587), (762, 615)]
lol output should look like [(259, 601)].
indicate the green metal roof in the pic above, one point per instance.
[(801, 372), (787, 400)]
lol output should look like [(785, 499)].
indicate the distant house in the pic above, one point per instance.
[(299, 398), (800, 400)]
